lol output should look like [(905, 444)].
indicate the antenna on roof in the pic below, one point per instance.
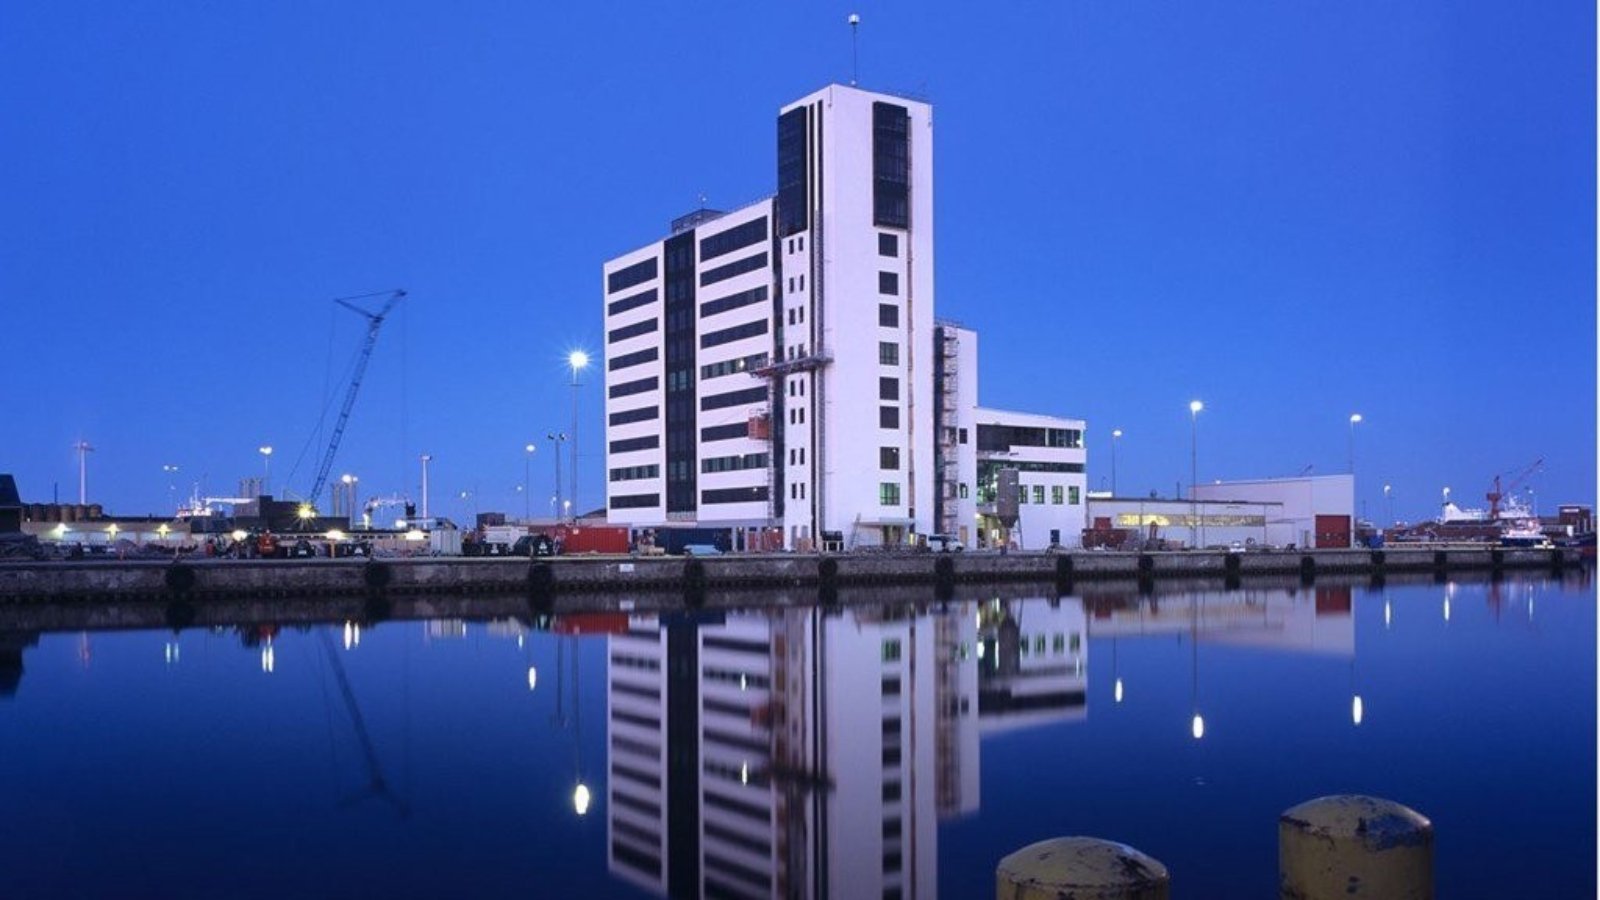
[(855, 64)]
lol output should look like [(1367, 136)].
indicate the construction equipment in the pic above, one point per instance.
[(374, 322), (1497, 493)]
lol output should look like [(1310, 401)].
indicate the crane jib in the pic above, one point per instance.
[(374, 322)]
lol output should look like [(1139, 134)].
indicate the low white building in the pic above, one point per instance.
[(1314, 511), (1048, 456)]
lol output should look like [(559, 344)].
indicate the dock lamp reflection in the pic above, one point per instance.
[(1197, 725)]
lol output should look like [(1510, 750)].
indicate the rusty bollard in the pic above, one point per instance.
[(1348, 846), (1083, 868)]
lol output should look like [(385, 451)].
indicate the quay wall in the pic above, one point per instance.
[(110, 580)]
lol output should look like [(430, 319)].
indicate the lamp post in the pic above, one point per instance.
[(1446, 501), (1355, 419), (576, 360), (84, 450), (349, 482), (556, 437), (172, 486), (1116, 433), (527, 481), (266, 467), (426, 458), (1194, 468), (1388, 499)]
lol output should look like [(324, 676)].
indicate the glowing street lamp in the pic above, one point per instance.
[(576, 360), (426, 458), (1116, 433), (1194, 468), (527, 480), (1355, 419), (266, 467), (580, 799)]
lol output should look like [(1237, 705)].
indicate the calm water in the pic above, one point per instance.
[(797, 753)]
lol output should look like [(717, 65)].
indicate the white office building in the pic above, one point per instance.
[(776, 369)]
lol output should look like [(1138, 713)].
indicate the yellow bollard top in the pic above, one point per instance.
[(1379, 824), (1084, 866)]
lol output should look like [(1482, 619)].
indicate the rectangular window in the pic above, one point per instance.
[(891, 653), (1058, 644), (963, 490), (891, 828), (891, 791), (1056, 494), (629, 388), (724, 432), (635, 501), (733, 366), (1022, 494), (888, 388), (888, 315), (633, 473), (737, 267), (736, 238), (889, 283), (735, 495), (888, 353), (728, 335), (634, 302), (733, 301), (889, 458), (634, 330), (891, 685), (889, 494), (963, 435), (793, 178), (630, 276), (891, 165), (1038, 493), (1072, 495), (888, 417), (642, 414), (648, 354), (734, 398), (888, 244), (648, 442)]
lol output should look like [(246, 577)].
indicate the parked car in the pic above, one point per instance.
[(944, 543)]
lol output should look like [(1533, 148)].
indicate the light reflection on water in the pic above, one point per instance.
[(870, 750)]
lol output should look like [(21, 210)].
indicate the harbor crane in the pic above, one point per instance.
[(374, 322), (1496, 493)]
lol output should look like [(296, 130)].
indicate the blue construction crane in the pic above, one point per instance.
[(374, 322)]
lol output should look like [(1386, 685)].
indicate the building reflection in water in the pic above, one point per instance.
[(812, 753)]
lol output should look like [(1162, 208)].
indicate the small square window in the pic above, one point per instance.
[(888, 315), (889, 457), (889, 355), (888, 245), (888, 389), (891, 653), (889, 283), (888, 417), (889, 495)]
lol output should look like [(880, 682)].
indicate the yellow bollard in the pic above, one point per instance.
[(1350, 846), (1083, 868)]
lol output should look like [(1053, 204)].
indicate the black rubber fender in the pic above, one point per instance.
[(179, 578), (376, 575)]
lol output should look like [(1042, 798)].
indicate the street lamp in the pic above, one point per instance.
[(1447, 496), (426, 458), (1355, 419), (1194, 457), (84, 450), (1388, 498), (556, 437), (266, 467), (349, 482), (172, 486), (577, 360), (527, 480), (1115, 434)]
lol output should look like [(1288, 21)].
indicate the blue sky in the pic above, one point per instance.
[(1290, 211)]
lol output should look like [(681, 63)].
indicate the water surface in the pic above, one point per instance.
[(870, 750)]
